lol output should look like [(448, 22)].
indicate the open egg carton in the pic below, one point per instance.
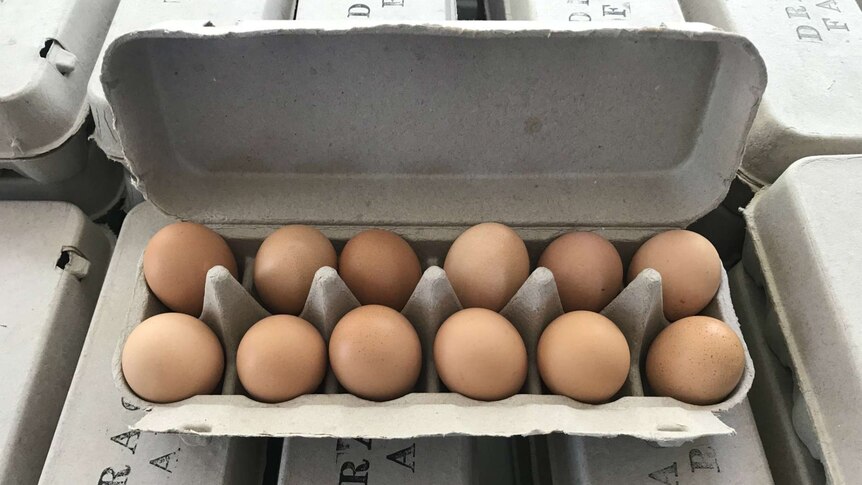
[(250, 127)]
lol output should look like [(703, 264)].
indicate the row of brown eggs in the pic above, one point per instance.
[(486, 265), (586, 359), (375, 354)]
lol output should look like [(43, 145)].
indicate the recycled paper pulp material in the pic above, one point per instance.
[(93, 442), (813, 51), (716, 460), (772, 392), (139, 14), (48, 50), (646, 11), (806, 236), (545, 136), (385, 10), (95, 189), (54, 261), (230, 309), (450, 460)]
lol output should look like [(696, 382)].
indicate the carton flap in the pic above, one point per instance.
[(454, 123), (407, 417)]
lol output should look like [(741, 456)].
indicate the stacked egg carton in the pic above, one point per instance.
[(813, 51), (54, 260), (714, 460), (772, 393), (296, 146), (48, 50), (803, 246), (453, 460)]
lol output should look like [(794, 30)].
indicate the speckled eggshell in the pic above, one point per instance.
[(480, 354), (285, 266), (587, 269), (690, 270), (486, 265), (281, 357), (698, 360), (375, 353), (380, 268), (171, 357), (176, 261), (583, 355)]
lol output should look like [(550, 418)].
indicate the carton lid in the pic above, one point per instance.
[(454, 123), (805, 230)]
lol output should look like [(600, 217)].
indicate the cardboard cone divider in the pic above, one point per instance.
[(230, 309)]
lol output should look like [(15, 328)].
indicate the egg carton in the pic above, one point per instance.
[(813, 50), (809, 218), (711, 460), (248, 127), (230, 309), (54, 260), (450, 460)]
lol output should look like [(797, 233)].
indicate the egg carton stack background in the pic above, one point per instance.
[(813, 51), (48, 50), (54, 260), (808, 217)]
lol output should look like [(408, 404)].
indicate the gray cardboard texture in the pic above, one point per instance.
[(138, 14), (813, 50), (386, 10), (717, 460), (643, 11), (48, 49), (542, 132), (95, 189), (450, 460), (93, 442), (521, 153), (806, 236), (771, 394), (53, 261)]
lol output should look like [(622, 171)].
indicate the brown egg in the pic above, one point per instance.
[(690, 270), (176, 261), (281, 357), (479, 354), (486, 265), (375, 353), (584, 356), (698, 360), (587, 268), (285, 266), (171, 357), (380, 268)]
